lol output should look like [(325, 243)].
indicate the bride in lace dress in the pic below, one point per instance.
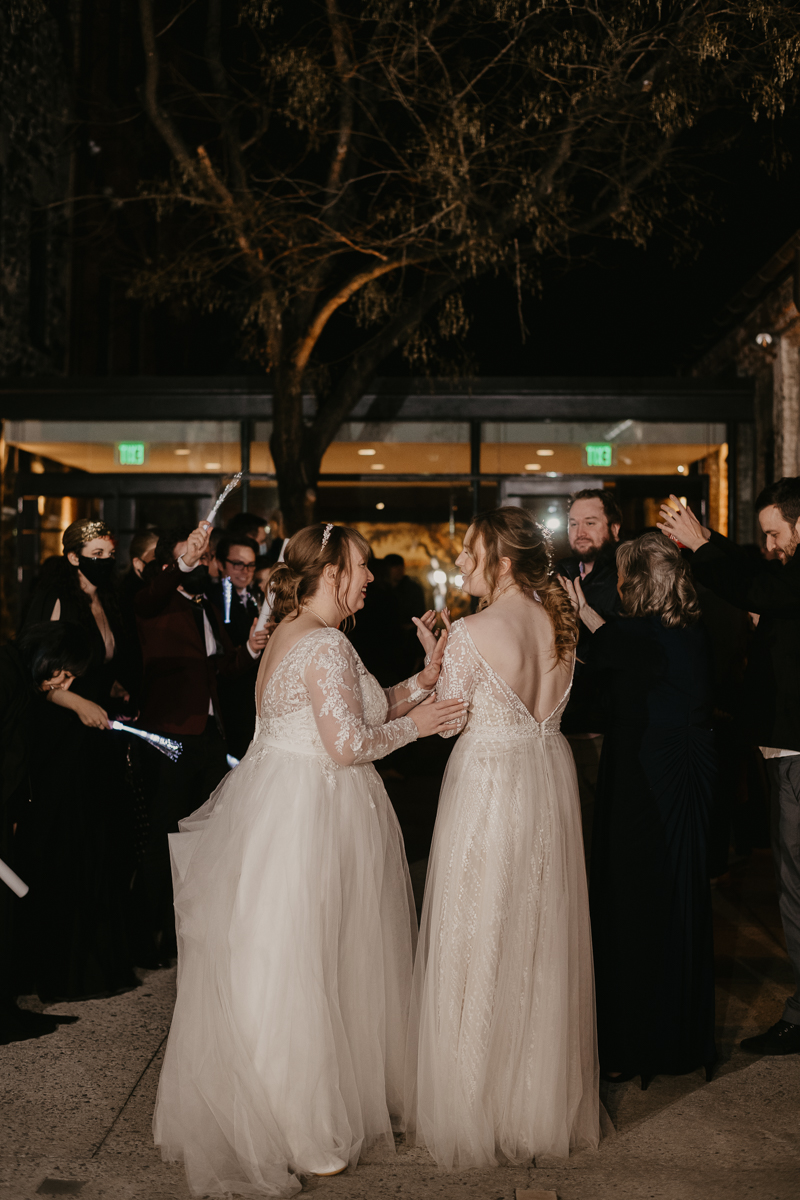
[(502, 1045), (295, 917)]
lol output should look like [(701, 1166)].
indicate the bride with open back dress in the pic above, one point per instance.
[(502, 1045), (295, 917)]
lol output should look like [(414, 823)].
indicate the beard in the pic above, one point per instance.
[(592, 553)]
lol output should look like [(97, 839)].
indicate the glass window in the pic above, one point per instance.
[(155, 447)]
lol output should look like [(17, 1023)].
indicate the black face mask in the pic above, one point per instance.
[(195, 581), (99, 571)]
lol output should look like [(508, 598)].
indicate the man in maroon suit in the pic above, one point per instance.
[(184, 648)]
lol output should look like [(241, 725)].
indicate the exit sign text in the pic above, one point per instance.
[(131, 454), (599, 454)]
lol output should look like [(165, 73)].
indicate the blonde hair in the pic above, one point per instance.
[(656, 581), (295, 580), (513, 533)]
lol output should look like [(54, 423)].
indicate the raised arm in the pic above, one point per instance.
[(332, 682), (457, 679)]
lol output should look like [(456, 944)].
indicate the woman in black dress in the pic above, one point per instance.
[(76, 835), (649, 894)]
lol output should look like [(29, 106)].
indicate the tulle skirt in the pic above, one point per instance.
[(296, 931), (502, 1042)]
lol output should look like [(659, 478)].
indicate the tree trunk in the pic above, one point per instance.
[(297, 461)]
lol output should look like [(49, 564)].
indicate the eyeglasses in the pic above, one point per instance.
[(234, 562)]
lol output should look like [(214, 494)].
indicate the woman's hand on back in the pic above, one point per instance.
[(437, 716)]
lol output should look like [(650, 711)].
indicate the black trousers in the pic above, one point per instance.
[(172, 790)]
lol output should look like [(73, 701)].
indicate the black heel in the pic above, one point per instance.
[(710, 1069), (646, 1081)]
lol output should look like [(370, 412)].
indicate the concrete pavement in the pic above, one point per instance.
[(76, 1106)]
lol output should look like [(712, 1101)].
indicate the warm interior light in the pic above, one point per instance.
[(764, 339), (367, 453), (533, 466), (553, 523), (380, 506), (184, 451), (681, 470), (378, 466), (545, 453), (458, 580), (213, 466)]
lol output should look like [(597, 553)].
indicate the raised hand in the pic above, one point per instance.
[(196, 545), (428, 678), (426, 630), (591, 619), (679, 523)]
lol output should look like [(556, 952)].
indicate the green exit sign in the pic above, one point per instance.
[(599, 454), (131, 454)]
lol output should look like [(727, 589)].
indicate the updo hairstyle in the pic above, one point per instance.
[(297, 578), (655, 580), (513, 533)]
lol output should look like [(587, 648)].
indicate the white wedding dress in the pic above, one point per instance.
[(296, 932), (502, 1043)]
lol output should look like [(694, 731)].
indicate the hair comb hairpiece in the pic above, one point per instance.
[(326, 535)]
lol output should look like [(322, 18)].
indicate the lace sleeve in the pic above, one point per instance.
[(406, 694), (333, 686), (457, 680)]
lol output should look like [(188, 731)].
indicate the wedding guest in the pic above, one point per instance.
[(76, 833), (410, 601), (236, 556), (770, 710), (47, 658), (649, 892), (277, 539), (185, 648), (247, 524), (593, 528)]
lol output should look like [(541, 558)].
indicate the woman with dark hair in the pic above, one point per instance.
[(502, 1043), (294, 910), (650, 898), (46, 659), (77, 833)]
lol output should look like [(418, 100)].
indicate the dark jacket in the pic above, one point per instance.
[(19, 701), (770, 706), (179, 677), (244, 609), (586, 711)]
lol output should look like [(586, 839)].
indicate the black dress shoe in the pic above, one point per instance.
[(782, 1038)]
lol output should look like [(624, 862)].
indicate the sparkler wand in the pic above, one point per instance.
[(12, 880), (166, 745), (234, 483), (269, 600), (227, 592)]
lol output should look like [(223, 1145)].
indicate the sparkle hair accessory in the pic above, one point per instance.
[(80, 533), (326, 535)]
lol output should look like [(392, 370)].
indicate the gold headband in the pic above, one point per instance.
[(80, 533)]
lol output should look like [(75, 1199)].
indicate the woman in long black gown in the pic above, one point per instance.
[(649, 894), (76, 835)]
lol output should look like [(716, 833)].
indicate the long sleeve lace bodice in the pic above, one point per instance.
[(322, 700)]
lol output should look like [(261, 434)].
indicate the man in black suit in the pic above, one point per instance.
[(771, 692), (234, 595), (593, 528)]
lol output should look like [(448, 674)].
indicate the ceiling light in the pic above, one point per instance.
[(380, 506), (763, 339), (367, 453), (183, 451), (681, 470), (553, 523), (545, 453), (533, 466), (378, 466), (213, 466)]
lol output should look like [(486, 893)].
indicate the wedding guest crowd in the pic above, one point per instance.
[(660, 711)]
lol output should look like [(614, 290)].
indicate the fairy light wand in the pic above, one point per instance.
[(227, 593), (166, 745), (222, 497)]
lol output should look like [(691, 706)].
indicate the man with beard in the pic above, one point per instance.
[(594, 523), (771, 691), (184, 648)]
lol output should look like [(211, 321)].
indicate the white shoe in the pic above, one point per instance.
[(334, 1166)]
